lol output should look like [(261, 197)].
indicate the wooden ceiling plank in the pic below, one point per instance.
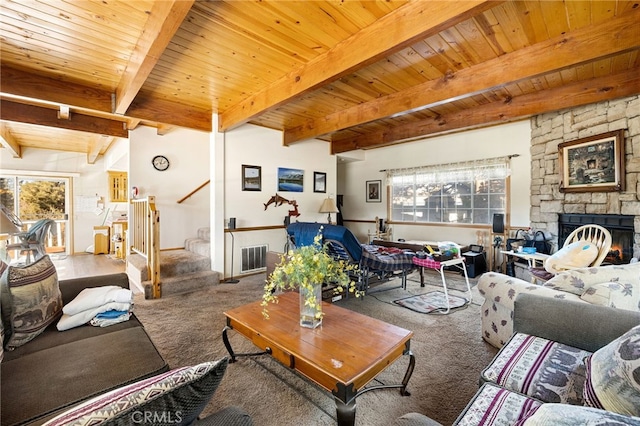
[(560, 52), (8, 141), (164, 20), (13, 111), (569, 96), (392, 32)]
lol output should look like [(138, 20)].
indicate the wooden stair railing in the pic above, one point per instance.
[(144, 230), (194, 191)]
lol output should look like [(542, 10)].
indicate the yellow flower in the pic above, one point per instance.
[(305, 267)]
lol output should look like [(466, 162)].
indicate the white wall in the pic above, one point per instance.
[(188, 154), (257, 146), (507, 139)]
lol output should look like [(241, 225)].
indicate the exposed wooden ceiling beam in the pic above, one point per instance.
[(46, 90), (25, 84), (569, 96), (96, 146), (161, 111), (164, 20), (8, 141), (589, 43), (393, 32), (14, 111)]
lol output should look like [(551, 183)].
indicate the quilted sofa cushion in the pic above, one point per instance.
[(571, 415), (614, 294), (613, 375), (540, 368), (495, 405), (577, 281)]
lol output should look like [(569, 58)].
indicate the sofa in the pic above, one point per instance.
[(567, 363), (614, 285), (49, 374)]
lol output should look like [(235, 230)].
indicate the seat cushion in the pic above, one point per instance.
[(613, 375), (495, 405), (176, 397), (540, 368), (31, 300), (572, 415), (72, 372)]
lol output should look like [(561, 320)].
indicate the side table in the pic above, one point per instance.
[(457, 262)]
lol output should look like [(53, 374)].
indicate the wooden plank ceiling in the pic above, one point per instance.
[(360, 74)]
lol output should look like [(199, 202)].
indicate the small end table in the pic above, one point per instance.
[(457, 262)]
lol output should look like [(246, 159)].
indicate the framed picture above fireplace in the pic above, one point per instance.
[(593, 164)]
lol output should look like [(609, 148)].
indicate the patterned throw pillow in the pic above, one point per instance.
[(613, 375), (543, 369), (176, 397), (31, 300)]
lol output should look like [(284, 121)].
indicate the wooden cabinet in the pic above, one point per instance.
[(118, 187)]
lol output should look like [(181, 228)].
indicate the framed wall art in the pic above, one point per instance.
[(251, 178), (319, 182), (373, 191), (592, 164), (290, 180)]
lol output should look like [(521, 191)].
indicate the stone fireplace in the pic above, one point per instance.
[(619, 211), (620, 227)]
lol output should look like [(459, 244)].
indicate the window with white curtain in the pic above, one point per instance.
[(469, 192)]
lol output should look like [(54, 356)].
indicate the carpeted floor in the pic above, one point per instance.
[(449, 356)]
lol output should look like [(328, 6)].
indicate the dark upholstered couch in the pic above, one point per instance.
[(579, 326), (58, 370)]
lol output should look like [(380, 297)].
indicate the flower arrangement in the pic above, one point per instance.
[(306, 268)]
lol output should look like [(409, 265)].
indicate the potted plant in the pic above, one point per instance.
[(306, 269)]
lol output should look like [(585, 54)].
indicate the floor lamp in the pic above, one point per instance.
[(232, 226)]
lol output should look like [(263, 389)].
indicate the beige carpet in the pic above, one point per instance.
[(449, 356)]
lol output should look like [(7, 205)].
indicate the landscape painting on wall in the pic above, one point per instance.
[(595, 163), (290, 180)]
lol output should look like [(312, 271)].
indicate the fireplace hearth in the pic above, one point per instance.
[(620, 227)]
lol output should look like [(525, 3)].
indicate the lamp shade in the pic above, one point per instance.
[(328, 206)]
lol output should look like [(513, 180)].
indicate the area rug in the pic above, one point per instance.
[(432, 302)]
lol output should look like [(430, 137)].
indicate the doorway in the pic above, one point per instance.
[(33, 198)]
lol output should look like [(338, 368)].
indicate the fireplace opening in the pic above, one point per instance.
[(620, 227)]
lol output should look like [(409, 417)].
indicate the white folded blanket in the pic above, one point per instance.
[(70, 321), (94, 297)]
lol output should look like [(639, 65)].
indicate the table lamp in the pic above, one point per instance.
[(328, 206)]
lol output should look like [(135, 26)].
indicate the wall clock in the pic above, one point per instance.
[(160, 162)]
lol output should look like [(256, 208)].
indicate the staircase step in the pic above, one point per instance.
[(204, 234), (198, 246)]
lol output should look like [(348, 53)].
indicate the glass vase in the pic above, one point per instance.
[(311, 316)]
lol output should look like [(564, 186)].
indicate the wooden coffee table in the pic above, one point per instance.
[(342, 355)]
